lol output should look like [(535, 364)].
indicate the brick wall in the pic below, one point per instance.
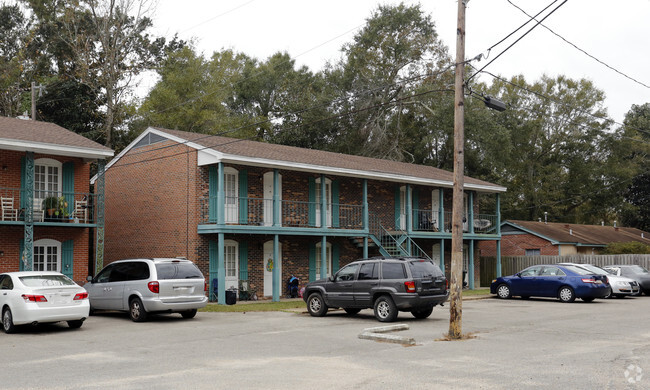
[(152, 203), (516, 245)]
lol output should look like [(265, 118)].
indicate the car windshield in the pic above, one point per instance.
[(578, 270), (637, 269), (181, 270), (46, 280), (594, 269), (424, 269)]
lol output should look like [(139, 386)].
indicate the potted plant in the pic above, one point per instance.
[(61, 211), (50, 204)]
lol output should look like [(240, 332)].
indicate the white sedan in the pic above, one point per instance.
[(34, 297)]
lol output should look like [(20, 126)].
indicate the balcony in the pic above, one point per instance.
[(428, 221), (295, 214), (48, 208), (259, 212)]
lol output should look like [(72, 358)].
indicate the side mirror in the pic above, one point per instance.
[(518, 274), (89, 278)]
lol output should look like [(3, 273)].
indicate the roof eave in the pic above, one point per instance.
[(58, 150)]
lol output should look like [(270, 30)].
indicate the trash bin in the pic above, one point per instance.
[(231, 297)]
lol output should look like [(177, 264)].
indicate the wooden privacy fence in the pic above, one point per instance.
[(512, 265)]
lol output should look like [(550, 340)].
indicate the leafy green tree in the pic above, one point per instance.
[(13, 83), (630, 248)]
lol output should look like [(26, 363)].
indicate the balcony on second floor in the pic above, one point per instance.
[(47, 208)]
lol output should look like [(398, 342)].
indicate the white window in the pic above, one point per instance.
[(533, 252), (328, 259), (231, 193), (47, 255), (47, 178), (328, 201)]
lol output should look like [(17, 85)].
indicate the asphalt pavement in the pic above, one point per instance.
[(513, 344)]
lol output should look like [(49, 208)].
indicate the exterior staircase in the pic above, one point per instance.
[(397, 244)]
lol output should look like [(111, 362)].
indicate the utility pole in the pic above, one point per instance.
[(456, 307)]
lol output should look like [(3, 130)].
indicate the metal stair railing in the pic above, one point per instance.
[(389, 245)]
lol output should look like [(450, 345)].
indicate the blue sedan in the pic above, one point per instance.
[(566, 282)]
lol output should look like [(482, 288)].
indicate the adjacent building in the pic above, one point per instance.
[(50, 219), (253, 214), (530, 238)]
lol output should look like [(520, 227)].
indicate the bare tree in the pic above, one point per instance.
[(111, 46)]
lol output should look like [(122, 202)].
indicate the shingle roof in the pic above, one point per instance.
[(290, 154), (25, 132), (583, 234)]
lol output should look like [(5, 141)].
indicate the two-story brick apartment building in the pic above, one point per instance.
[(47, 210), (259, 213)]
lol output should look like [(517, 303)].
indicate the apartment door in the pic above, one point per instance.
[(268, 198)]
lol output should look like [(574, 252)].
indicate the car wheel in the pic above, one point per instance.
[(8, 321), (76, 324), (136, 310), (588, 299), (385, 309), (352, 311), (189, 313), (316, 306), (609, 294), (566, 294), (503, 291), (422, 313)]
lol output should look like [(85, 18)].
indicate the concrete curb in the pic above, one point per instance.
[(378, 334)]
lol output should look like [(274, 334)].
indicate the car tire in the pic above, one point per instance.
[(316, 305), (609, 294), (385, 309), (189, 313), (352, 311), (76, 324), (588, 300), (136, 310), (8, 321), (422, 313), (503, 291), (566, 294)]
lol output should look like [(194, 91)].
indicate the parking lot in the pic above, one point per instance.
[(518, 344)]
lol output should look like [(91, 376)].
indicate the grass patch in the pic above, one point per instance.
[(476, 292), (259, 306)]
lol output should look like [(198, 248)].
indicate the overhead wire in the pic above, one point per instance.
[(581, 50), (516, 41)]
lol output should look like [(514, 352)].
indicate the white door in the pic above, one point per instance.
[(328, 264), (328, 201), (435, 208), (231, 260), (402, 207), (231, 193), (268, 198), (465, 212), (269, 264)]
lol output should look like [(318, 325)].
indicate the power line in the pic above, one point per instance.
[(515, 42), (581, 50), (216, 17)]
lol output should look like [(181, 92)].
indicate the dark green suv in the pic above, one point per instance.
[(388, 285)]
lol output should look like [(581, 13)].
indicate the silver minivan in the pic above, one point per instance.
[(142, 286)]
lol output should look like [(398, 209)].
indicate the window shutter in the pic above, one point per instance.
[(243, 197), (336, 254), (21, 248), (23, 180), (335, 203), (243, 260), (312, 262), (68, 185), (312, 202), (213, 183), (397, 207), (213, 248), (67, 258)]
